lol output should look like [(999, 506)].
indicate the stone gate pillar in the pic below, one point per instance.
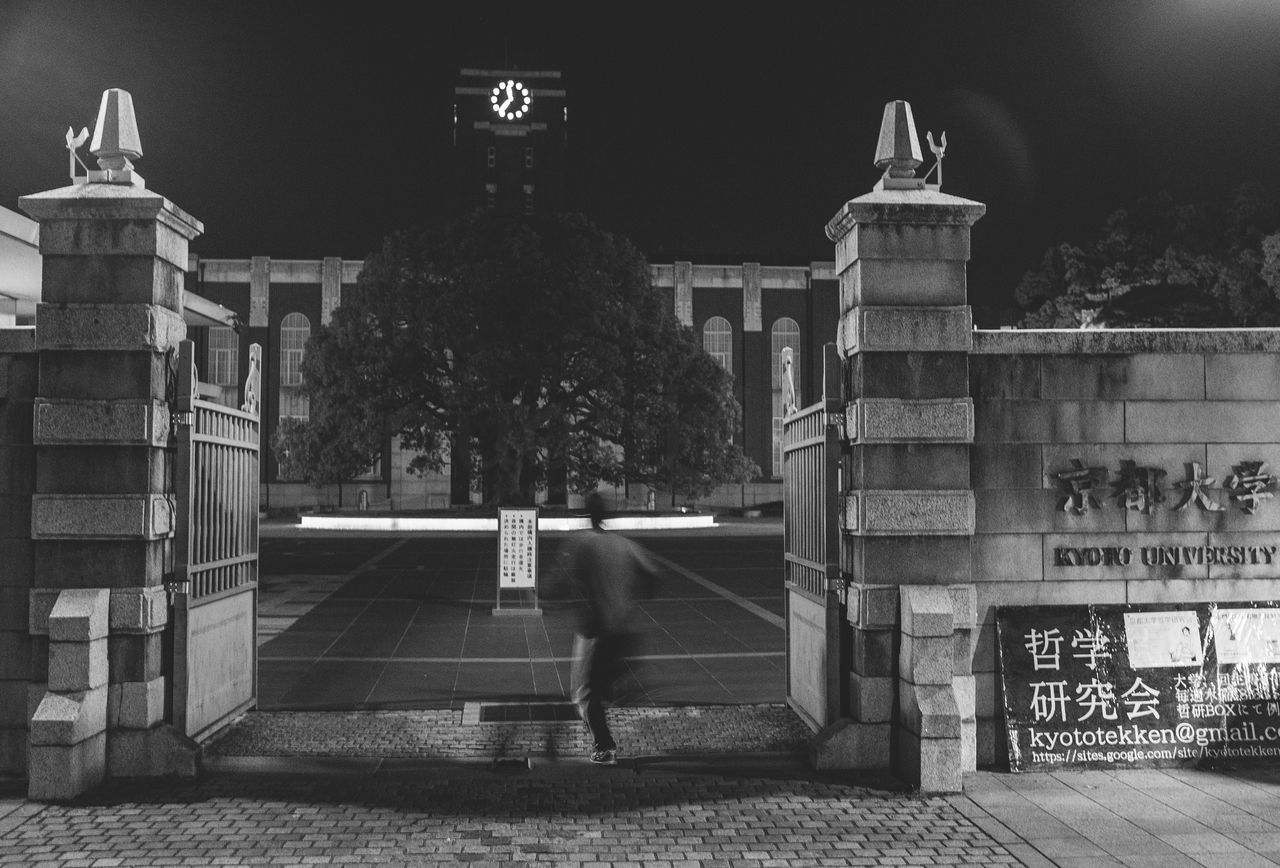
[(908, 512), (103, 512)]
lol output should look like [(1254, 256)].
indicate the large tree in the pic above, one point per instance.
[(1165, 264), (531, 344), (327, 449)]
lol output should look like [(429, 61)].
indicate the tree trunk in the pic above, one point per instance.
[(528, 482), (557, 479), (460, 465), (504, 478)]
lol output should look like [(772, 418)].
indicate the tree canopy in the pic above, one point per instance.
[(324, 450), (1162, 263), (530, 343)]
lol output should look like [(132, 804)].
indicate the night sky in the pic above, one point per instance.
[(702, 131)]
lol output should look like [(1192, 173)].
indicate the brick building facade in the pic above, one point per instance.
[(745, 314)]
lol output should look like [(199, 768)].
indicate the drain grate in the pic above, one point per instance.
[(509, 712)]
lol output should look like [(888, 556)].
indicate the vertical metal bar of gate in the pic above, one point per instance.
[(187, 390)]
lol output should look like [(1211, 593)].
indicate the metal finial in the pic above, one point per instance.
[(116, 142), (939, 151), (73, 143)]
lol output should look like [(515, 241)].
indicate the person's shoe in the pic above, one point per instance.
[(604, 757)]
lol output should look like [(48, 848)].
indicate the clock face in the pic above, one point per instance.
[(510, 100)]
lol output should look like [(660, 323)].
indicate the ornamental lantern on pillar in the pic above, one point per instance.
[(898, 152), (116, 143)]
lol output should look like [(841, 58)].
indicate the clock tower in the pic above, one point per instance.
[(509, 137)]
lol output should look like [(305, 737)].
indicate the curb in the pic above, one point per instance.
[(721, 527), (490, 525), (759, 763)]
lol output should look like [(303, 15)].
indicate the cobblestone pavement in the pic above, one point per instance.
[(567, 814), (438, 733)]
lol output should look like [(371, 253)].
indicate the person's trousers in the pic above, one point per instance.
[(588, 684)]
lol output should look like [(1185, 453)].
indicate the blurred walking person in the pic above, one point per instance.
[(608, 573)]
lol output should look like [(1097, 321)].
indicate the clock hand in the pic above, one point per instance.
[(502, 109)]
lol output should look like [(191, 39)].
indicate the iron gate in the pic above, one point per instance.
[(216, 552), (810, 500)]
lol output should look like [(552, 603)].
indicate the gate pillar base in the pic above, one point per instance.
[(68, 725), (161, 751), (934, 765), (848, 744), (60, 772), (936, 741)]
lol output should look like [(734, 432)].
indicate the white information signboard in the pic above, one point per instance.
[(518, 558), (517, 548)]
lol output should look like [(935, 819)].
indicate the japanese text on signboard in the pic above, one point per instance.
[(517, 548), (1140, 685)]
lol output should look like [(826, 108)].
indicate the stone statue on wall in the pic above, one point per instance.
[(788, 383), (253, 382)]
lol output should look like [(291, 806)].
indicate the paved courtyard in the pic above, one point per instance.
[(351, 623), (453, 775)]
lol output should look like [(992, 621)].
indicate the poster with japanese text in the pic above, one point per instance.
[(1140, 685), (517, 548)]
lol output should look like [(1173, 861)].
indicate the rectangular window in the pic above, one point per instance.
[(778, 432), (493, 156), (528, 158), (777, 446), (528, 198), (294, 404), (291, 373), (224, 356)]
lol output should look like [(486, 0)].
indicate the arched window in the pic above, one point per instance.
[(224, 356), (786, 333), (717, 340), (294, 331)]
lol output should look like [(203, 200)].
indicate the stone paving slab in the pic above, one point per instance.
[(1131, 817), (408, 623)]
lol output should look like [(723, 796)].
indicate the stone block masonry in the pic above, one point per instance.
[(1160, 422), (18, 364), (102, 514), (68, 729), (936, 691), (1017, 468), (908, 509)]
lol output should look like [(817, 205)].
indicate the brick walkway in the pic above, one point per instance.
[(697, 786), (436, 788), (442, 733), (564, 814)]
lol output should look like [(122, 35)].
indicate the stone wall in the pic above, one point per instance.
[(1187, 404), (103, 511), (17, 482)]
